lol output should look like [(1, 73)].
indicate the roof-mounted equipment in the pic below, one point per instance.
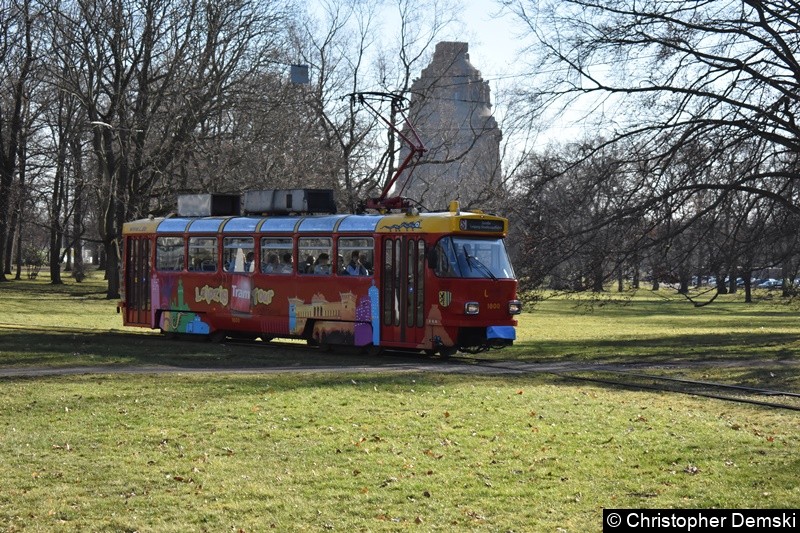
[(288, 201), (208, 205)]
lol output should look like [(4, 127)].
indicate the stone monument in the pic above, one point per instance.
[(450, 107)]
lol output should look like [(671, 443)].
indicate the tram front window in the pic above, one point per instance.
[(471, 257)]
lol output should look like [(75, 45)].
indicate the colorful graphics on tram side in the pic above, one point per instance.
[(351, 320)]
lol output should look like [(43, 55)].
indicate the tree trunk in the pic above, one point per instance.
[(56, 229), (787, 285), (112, 269), (20, 207), (79, 271), (6, 177), (13, 130), (597, 277), (748, 295), (18, 275), (13, 239), (683, 287), (721, 287)]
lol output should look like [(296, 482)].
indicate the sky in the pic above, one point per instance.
[(496, 40), (492, 41)]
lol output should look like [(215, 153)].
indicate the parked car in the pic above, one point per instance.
[(770, 283)]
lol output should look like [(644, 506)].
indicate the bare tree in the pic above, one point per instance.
[(676, 73), (17, 56), (148, 74), (342, 46), (336, 43), (701, 95), (570, 219)]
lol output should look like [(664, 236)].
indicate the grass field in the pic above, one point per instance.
[(387, 451)]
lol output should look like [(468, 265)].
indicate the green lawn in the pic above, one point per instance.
[(658, 327), (388, 451)]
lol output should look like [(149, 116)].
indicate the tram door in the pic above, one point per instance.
[(137, 281), (403, 290)]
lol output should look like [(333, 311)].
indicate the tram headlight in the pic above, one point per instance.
[(472, 308), (514, 307)]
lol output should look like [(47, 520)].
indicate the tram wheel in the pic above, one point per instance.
[(217, 337), (372, 350), (448, 351), (244, 336)]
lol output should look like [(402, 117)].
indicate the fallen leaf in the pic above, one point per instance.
[(430, 453)]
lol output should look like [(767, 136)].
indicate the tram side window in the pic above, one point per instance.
[(169, 253), (237, 254), (276, 255), (315, 255), (356, 256), (203, 254)]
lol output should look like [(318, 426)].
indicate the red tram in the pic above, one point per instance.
[(436, 282)]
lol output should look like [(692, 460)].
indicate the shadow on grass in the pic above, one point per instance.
[(35, 348), (43, 289), (63, 350), (680, 311), (79, 351), (677, 348)]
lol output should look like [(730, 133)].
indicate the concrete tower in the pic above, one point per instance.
[(450, 107)]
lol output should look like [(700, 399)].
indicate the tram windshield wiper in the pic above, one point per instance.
[(472, 260)]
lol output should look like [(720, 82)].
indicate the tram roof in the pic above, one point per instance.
[(442, 222)]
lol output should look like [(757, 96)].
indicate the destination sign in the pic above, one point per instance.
[(478, 224)]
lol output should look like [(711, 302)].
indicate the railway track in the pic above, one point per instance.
[(706, 389), (614, 375)]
